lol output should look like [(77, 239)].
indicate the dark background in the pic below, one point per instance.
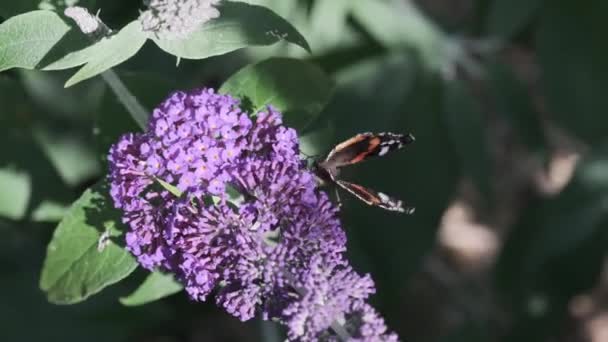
[(509, 172)]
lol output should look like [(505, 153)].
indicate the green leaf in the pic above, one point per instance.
[(11, 8), (49, 211), (76, 58), (35, 38), (239, 25), (31, 188), (27, 176), (71, 155), (46, 90), (169, 187), (552, 228), (399, 24), (572, 51), (298, 89), (515, 105), (329, 23), (362, 91), (508, 17), (466, 128), (314, 142), (82, 257), (555, 251), (576, 213), (15, 195), (233, 194), (108, 52), (156, 286)]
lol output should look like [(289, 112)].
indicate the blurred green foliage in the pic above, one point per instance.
[(398, 66)]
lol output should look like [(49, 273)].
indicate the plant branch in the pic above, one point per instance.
[(95, 29)]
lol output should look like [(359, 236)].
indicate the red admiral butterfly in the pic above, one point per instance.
[(357, 149)]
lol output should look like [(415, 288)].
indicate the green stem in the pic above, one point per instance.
[(269, 331), (126, 98), (83, 19), (340, 331)]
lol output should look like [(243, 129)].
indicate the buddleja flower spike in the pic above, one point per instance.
[(278, 252)]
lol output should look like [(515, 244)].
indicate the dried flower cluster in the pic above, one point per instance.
[(176, 19), (249, 228)]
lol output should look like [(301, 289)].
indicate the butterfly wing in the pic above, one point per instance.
[(375, 198), (365, 145)]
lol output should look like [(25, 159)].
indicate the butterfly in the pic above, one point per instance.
[(355, 150)]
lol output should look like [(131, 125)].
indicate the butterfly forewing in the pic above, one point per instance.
[(365, 145)]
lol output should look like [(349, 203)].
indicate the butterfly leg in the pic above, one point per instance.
[(338, 200)]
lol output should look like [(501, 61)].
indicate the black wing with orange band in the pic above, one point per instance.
[(363, 146), (375, 198), (355, 150)]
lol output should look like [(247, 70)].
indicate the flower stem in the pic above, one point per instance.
[(340, 331), (269, 331), (126, 98), (94, 28)]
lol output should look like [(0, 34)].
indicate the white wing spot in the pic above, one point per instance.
[(383, 197)]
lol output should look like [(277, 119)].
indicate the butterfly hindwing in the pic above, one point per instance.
[(365, 145), (374, 198)]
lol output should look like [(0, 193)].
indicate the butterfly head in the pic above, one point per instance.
[(325, 174)]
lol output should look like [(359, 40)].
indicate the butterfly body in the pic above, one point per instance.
[(355, 150)]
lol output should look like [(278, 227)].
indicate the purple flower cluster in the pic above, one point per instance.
[(248, 227)]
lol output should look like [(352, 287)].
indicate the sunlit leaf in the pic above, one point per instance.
[(156, 286), (239, 25), (401, 24), (110, 51), (73, 158), (15, 194), (298, 89), (49, 211), (35, 38), (328, 23), (82, 257), (75, 103)]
